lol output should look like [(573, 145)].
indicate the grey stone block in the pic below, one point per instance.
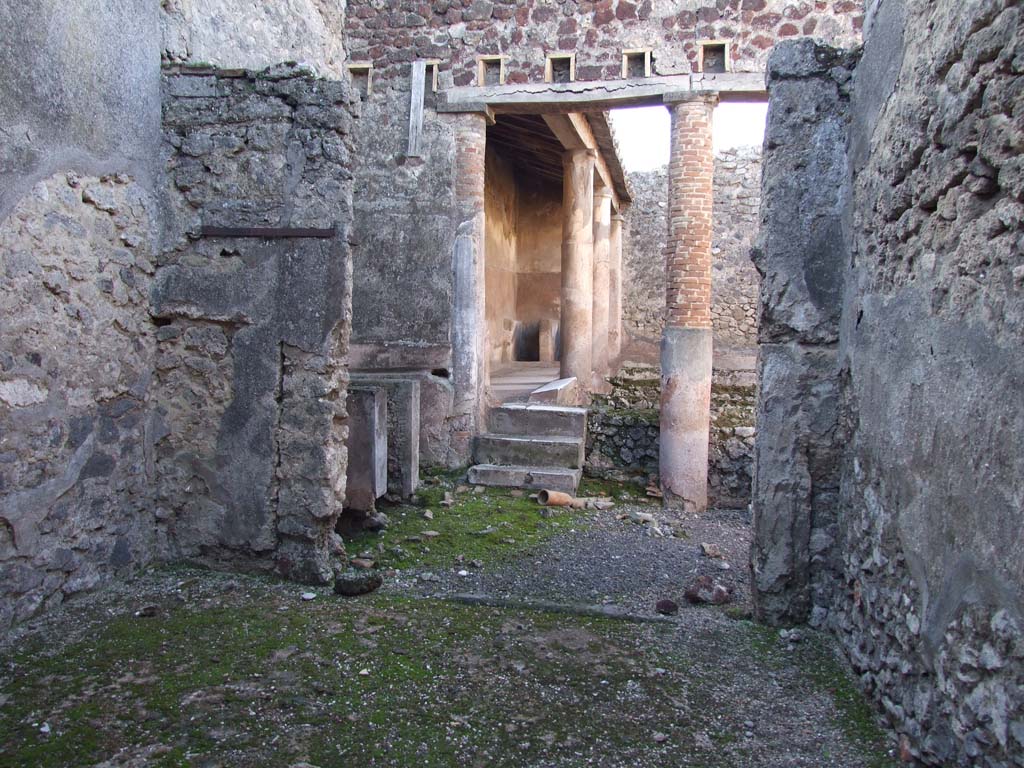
[(539, 420), (367, 477), (403, 430), (529, 451)]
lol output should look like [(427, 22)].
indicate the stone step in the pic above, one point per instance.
[(529, 478), (537, 420), (529, 451)]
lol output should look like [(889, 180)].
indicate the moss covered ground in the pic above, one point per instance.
[(489, 525), (182, 667)]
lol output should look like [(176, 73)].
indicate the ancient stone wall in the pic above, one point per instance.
[(78, 234), (406, 228), (623, 434), (800, 253), (734, 280), (927, 592), (391, 35), (236, 33), (252, 343), (76, 255), (643, 257)]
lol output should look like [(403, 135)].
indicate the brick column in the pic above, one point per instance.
[(602, 284), (577, 265), (686, 354), (615, 291), (469, 373)]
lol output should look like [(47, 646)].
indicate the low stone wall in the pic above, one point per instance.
[(623, 434), (622, 444), (253, 338)]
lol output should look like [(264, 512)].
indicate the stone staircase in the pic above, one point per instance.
[(531, 446)]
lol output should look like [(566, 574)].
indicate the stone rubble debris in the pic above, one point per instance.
[(706, 590), (353, 582), (712, 551), (667, 607)]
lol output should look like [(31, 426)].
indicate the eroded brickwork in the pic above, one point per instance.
[(690, 197)]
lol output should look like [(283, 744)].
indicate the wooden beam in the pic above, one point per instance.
[(597, 95), (419, 85), (573, 131)]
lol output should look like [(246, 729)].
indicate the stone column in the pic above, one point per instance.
[(686, 343), (577, 264), (615, 291), (602, 284), (469, 373)]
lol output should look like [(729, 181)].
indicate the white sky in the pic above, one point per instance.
[(643, 132)]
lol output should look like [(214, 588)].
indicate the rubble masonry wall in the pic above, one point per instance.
[(915, 561), (78, 237), (253, 333)]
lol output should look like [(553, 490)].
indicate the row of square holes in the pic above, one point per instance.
[(560, 67)]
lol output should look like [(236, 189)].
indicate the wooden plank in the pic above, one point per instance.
[(419, 84)]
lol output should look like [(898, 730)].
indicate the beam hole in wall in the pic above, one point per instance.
[(637, 63), (560, 68), (361, 76), (714, 56), (490, 70), (432, 84)]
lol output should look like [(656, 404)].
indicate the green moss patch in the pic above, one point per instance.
[(492, 525)]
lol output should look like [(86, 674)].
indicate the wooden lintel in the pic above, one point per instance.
[(599, 95)]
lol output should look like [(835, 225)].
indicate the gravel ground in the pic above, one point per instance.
[(613, 561)]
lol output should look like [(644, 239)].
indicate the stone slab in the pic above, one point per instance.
[(530, 478), (559, 392), (403, 396), (367, 447), (529, 451), (539, 420)]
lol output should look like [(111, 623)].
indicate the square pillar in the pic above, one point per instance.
[(602, 285), (615, 291), (577, 265), (686, 348)]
